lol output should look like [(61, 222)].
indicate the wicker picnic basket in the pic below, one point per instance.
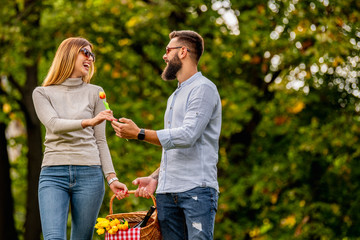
[(150, 232)]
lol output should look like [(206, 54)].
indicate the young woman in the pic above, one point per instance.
[(76, 151)]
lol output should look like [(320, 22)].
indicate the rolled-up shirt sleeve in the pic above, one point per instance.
[(197, 116), (48, 116), (164, 138)]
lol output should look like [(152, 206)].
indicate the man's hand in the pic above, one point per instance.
[(147, 186), (125, 128)]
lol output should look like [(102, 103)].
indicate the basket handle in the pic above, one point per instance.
[(130, 192)]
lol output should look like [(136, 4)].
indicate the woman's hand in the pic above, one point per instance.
[(104, 115), (119, 189)]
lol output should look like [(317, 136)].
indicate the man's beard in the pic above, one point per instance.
[(170, 71)]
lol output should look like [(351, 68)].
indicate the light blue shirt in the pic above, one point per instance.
[(190, 138)]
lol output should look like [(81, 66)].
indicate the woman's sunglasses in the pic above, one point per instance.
[(88, 54)]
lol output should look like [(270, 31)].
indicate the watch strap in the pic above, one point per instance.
[(112, 180)]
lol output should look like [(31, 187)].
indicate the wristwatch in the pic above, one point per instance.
[(112, 180), (141, 135)]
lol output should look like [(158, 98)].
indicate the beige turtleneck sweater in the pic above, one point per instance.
[(61, 108)]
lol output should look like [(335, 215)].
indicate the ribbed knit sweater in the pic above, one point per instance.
[(61, 108)]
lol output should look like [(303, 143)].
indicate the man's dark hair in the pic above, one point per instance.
[(191, 40)]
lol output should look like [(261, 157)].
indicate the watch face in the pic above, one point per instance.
[(141, 135)]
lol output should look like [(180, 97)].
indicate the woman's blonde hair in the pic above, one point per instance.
[(64, 61)]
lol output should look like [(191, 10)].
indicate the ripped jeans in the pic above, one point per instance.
[(187, 215)]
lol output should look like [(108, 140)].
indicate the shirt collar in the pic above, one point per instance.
[(189, 80), (72, 82)]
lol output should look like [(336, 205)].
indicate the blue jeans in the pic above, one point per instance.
[(80, 187), (187, 215)]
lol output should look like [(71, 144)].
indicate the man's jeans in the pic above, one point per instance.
[(59, 186), (187, 215)]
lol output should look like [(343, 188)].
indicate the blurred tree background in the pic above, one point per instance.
[(288, 75)]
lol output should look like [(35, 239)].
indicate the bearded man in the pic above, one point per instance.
[(186, 182)]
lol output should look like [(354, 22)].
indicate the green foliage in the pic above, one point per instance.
[(288, 159)]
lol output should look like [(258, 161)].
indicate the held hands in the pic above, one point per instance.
[(125, 128), (147, 186)]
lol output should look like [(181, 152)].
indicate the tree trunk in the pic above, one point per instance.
[(7, 224), (34, 155), (33, 128)]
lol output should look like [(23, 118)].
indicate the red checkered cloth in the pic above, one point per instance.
[(130, 234)]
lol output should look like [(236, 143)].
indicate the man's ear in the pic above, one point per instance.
[(183, 53)]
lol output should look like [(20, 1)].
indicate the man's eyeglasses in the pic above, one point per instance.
[(168, 49), (88, 54)]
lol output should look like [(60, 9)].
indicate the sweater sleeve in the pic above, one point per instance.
[(48, 115), (100, 136)]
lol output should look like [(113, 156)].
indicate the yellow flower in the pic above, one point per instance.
[(115, 228), (101, 219), (104, 224), (114, 222), (100, 231)]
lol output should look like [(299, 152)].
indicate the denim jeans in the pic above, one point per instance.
[(80, 187), (187, 215)]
